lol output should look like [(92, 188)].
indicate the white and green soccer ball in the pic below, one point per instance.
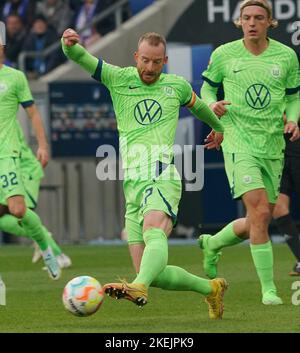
[(83, 296)]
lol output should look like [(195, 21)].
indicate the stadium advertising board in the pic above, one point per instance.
[(81, 119), (211, 21)]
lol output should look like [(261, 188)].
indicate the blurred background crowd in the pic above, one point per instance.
[(33, 26)]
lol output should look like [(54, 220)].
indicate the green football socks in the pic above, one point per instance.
[(33, 226), (55, 248), (176, 278), (262, 255), (12, 225), (225, 237), (155, 256)]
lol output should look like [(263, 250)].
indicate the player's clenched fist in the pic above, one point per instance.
[(70, 37)]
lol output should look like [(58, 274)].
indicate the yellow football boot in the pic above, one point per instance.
[(215, 299), (135, 292)]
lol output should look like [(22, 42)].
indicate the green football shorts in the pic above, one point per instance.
[(32, 188), (11, 183), (32, 174), (162, 193), (246, 173), (14, 183)]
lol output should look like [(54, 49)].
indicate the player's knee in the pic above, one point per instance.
[(18, 210), (262, 215), (165, 226), (158, 219)]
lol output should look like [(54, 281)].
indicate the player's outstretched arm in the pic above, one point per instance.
[(74, 51), (202, 111), (42, 153)]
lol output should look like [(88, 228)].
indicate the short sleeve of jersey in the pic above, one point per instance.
[(293, 78), (214, 72), (110, 74), (23, 90), (185, 92)]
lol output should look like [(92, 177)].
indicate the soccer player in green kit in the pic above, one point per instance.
[(32, 173), (261, 81), (147, 104), (14, 90)]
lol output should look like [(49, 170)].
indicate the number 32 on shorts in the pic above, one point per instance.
[(9, 179)]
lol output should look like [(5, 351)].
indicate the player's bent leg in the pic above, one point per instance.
[(210, 257), (11, 224), (215, 299), (176, 278), (155, 256), (157, 226), (262, 255), (260, 212), (134, 292), (33, 226), (234, 233), (154, 260)]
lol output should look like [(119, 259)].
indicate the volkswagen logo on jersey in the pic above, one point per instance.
[(258, 96), (169, 91), (3, 87), (276, 71), (147, 112)]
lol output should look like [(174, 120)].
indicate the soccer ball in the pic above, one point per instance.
[(83, 295)]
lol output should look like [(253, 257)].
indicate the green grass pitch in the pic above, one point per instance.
[(34, 301)]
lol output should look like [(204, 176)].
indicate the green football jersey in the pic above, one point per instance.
[(14, 90), (31, 168), (147, 115), (256, 86)]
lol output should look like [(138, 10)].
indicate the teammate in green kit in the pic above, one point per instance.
[(146, 104), (261, 81), (32, 173), (14, 90)]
